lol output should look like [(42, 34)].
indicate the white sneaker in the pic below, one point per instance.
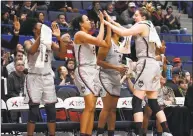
[(166, 134)]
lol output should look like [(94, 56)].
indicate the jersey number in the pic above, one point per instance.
[(46, 58)]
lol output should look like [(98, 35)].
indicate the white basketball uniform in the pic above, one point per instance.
[(110, 78), (147, 68), (39, 83), (86, 73)]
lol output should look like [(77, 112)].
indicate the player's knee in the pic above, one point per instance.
[(51, 112), (90, 108), (147, 112), (113, 110), (137, 104), (153, 104), (33, 113)]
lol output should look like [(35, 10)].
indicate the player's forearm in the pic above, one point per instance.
[(62, 48), (108, 36), (34, 48), (101, 33), (130, 85)]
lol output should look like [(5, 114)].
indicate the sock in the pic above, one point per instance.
[(138, 128), (110, 132), (100, 131), (165, 127), (159, 133)]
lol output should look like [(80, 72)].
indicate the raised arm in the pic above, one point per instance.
[(61, 48), (32, 48), (134, 30), (83, 37)]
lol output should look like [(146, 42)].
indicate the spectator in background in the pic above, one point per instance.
[(18, 55), (71, 65), (93, 28), (65, 6), (5, 19), (15, 81), (93, 13), (23, 17), (27, 9), (156, 18), (187, 77), (183, 86), (64, 77), (69, 48), (174, 82), (111, 12), (41, 17), (10, 7), (173, 22), (61, 20), (127, 15), (120, 6)]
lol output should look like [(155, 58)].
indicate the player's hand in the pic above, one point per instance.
[(66, 38), (122, 69), (16, 24), (55, 29), (107, 16), (101, 17)]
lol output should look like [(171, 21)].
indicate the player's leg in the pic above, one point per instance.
[(49, 98), (87, 117), (152, 101), (112, 117), (51, 118), (105, 112), (32, 118), (33, 95), (146, 116), (138, 96)]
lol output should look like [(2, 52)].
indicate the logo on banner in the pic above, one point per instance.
[(14, 104), (99, 103)]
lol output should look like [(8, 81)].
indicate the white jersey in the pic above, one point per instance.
[(32, 61), (85, 54), (114, 56), (144, 48)]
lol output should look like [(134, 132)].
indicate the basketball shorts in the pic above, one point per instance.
[(40, 89), (110, 81), (147, 75), (87, 80)]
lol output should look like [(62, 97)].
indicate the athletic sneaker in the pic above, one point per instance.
[(166, 134)]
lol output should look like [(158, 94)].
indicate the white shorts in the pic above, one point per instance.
[(40, 89), (147, 75), (110, 81), (87, 80)]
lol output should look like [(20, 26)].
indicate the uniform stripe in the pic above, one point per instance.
[(141, 71)]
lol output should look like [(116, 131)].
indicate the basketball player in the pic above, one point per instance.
[(40, 81), (86, 73), (147, 71), (110, 61), (160, 57)]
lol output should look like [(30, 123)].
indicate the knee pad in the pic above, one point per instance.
[(137, 105), (33, 113), (51, 112), (153, 104)]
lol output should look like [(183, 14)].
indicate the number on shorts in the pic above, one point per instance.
[(46, 58)]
